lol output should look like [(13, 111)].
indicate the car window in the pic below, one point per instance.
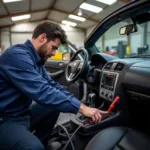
[(63, 53), (113, 43)]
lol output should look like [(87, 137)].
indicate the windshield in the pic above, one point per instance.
[(136, 44)]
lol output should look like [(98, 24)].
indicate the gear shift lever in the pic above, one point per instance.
[(89, 102), (91, 99)]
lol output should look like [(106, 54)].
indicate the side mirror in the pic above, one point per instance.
[(131, 28), (66, 56)]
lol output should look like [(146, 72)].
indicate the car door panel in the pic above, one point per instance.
[(56, 69), (55, 74), (57, 63)]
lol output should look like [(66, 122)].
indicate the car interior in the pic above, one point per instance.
[(117, 79)]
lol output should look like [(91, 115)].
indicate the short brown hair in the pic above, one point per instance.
[(52, 31)]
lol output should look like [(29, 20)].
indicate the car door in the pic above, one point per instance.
[(56, 66)]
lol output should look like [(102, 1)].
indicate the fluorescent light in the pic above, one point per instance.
[(91, 8), (108, 2), (69, 23), (77, 18), (9, 1), (16, 18)]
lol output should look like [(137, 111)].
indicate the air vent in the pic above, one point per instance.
[(108, 66), (119, 67)]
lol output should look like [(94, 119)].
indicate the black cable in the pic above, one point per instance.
[(101, 105), (65, 130), (72, 136)]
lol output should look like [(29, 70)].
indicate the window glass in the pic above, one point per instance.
[(63, 53), (122, 46)]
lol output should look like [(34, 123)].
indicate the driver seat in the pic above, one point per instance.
[(119, 138)]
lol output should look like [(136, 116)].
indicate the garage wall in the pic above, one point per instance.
[(5, 38), (18, 38), (21, 32)]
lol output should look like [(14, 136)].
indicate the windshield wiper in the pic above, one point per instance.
[(139, 56)]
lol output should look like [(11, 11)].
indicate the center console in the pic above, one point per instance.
[(107, 91), (108, 85), (107, 94)]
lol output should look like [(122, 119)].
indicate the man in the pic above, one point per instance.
[(23, 78)]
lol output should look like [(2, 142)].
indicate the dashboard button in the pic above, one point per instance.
[(102, 93), (110, 95), (111, 88), (106, 94)]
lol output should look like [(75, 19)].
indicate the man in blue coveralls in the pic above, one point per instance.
[(23, 78)]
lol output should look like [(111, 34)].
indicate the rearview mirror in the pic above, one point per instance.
[(131, 28)]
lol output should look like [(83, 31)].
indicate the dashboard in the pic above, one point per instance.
[(121, 76), (98, 60)]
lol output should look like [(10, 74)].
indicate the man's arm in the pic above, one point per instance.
[(20, 70), (58, 86)]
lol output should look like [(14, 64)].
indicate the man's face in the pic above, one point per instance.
[(48, 49)]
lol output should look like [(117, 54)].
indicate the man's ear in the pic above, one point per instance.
[(42, 38)]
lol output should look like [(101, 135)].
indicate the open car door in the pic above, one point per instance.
[(56, 66)]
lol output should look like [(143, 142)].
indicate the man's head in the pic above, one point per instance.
[(46, 38)]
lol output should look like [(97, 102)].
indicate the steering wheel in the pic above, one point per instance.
[(76, 68)]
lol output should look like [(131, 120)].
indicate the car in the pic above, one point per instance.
[(56, 66), (119, 83)]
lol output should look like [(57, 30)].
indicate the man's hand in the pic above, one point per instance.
[(92, 113)]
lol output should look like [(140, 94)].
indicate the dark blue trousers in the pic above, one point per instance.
[(29, 132)]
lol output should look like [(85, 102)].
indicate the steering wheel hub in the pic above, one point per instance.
[(76, 68)]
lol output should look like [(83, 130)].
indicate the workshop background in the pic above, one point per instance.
[(78, 18)]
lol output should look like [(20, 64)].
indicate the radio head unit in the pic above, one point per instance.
[(108, 84)]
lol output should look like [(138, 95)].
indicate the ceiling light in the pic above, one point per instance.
[(77, 18), (69, 23), (80, 12), (91, 8), (16, 18), (108, 2), (9, 1)]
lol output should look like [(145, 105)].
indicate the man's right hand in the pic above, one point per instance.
[(93, 113)]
